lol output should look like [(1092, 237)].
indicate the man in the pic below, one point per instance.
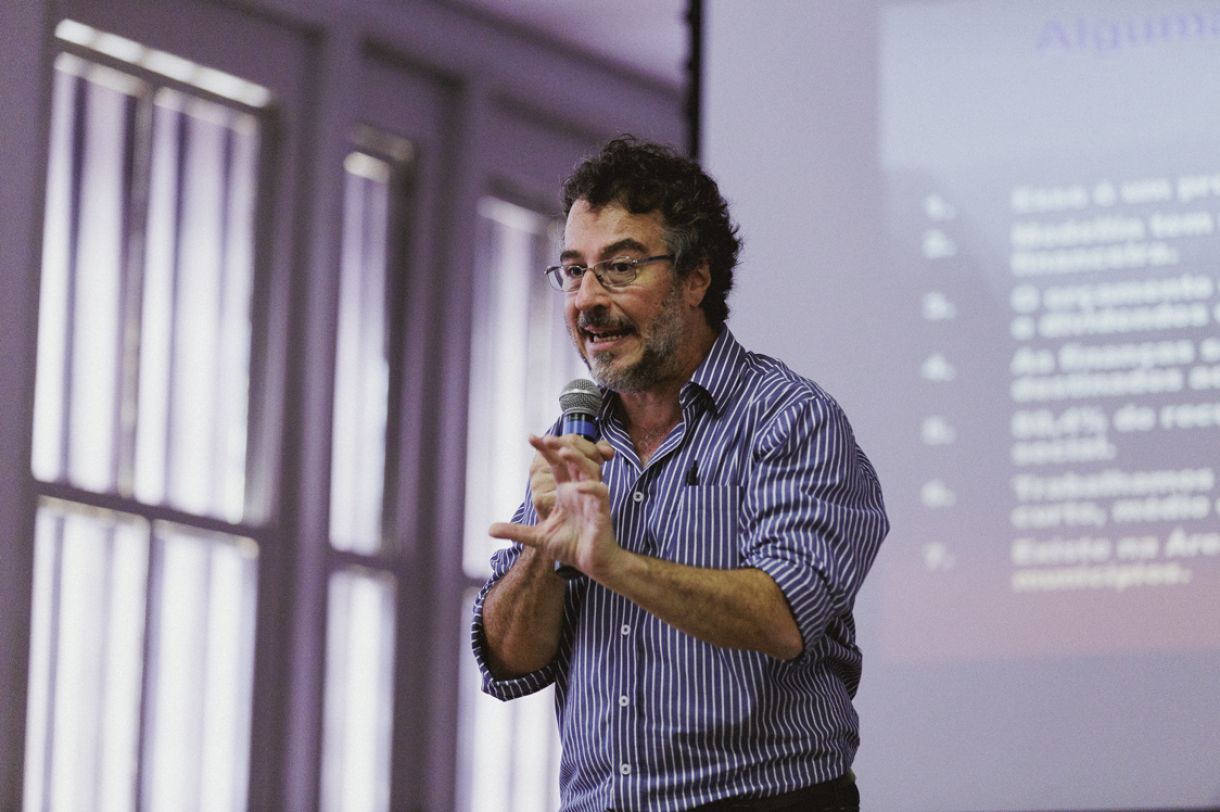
[(723, 525)]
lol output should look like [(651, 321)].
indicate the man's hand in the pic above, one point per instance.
[(542, 481), (572, 502)]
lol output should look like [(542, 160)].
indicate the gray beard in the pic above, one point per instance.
[(644, 374), (658, 363)]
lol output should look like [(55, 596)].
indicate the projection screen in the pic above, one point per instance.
[(989, 228)]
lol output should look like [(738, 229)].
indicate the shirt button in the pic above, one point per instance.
[(622, 700), (625, 769), (638, 496), (625, 630)]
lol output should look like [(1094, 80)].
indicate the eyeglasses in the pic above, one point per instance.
[(611, 273)]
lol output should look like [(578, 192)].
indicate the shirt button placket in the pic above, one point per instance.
[(627, 630), (621, 723)]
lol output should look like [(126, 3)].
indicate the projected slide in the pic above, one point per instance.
[(1062, 362)]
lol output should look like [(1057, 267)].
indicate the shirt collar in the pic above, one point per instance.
[(718, 373)]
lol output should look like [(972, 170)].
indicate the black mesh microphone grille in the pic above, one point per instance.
[(581, 396)]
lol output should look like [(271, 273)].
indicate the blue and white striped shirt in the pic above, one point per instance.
[(762, 471)]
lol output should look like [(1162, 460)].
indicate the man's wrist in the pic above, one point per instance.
[(618, 568), (535, 561)]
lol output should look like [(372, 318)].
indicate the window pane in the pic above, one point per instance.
[(510, 749), (201, 669), (87, 636), (359, 692), (195, 344), (50, 389), (85, 283), (521, 358), (361, 363)]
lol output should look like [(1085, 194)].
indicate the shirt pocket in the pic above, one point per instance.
[(700, 527)]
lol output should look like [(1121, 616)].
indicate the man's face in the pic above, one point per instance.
[(637, 337)]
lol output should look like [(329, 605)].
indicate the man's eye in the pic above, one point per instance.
[(573, 271), (620, 266)]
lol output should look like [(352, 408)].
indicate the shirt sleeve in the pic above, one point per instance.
[(814, 513), (501, 562)]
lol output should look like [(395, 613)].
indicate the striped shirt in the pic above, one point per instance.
[(762, 471)]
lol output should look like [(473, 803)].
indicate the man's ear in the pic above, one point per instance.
[(696, 284)]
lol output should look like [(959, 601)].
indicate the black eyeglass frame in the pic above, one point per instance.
[(556, 275)]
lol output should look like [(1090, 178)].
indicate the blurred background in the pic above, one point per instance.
[(275, 329), (282, 264)]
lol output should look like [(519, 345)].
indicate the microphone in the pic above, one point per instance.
[(581, 403)]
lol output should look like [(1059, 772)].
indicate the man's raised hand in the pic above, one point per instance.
[(572, 502)]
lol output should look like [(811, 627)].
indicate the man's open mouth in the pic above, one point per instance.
[(599, 335)]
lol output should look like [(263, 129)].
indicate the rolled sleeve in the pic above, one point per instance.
[(501, 562), (814, 513), (503, 689)]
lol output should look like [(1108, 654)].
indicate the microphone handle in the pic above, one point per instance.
[(586, 426), (583, 424)]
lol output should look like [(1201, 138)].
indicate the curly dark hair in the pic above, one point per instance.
[(644, 177)]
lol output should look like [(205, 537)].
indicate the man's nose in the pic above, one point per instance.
[(590, 292)]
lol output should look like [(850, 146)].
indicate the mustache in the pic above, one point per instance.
[(599, 318)]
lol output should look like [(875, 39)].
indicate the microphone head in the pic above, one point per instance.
[(581, 396)]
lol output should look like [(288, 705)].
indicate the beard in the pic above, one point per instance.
[(659, 360)]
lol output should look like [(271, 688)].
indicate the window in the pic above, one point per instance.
[(520, 360), (362, 591), (146, 554)]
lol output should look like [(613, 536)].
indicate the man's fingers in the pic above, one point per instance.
[(579, 466), (549, 448), (523, 533), (599, 452), (568, 457), (593, 487)]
